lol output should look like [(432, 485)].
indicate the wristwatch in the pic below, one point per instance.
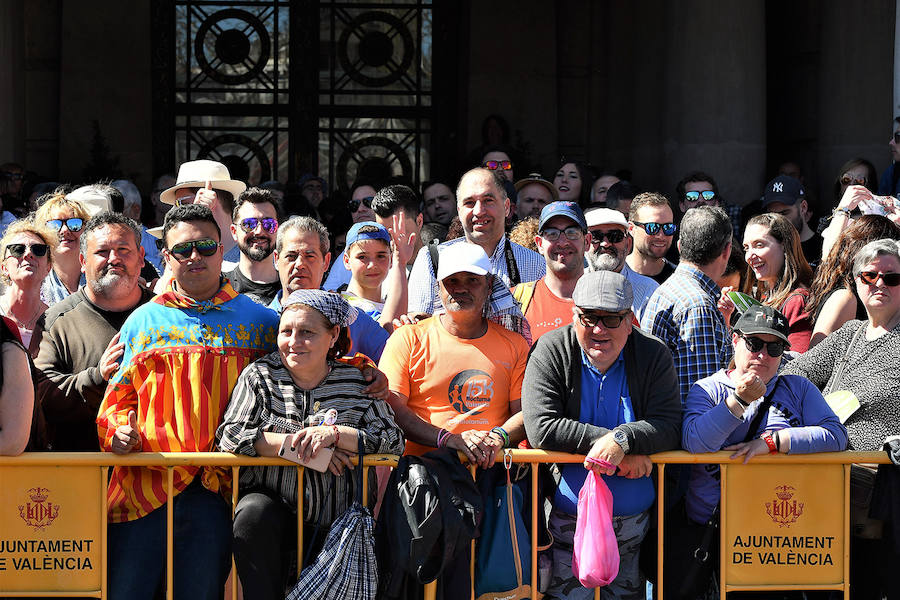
[(621, 439)]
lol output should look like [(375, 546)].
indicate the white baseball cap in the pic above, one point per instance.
[(605, 216), (462, 257)]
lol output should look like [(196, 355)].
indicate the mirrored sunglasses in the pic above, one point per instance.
[(872, 277), (354, 204), (493, 165), (755, 344), (708, 196), (250, 224), (551, 234), (184, 250), (19, 250), (73, 225), (653, 228)]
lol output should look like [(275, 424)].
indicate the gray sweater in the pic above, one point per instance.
[(551, 395)]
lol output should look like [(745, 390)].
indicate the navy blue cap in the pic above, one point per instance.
[(562, 208), (784, 189), (354, 234)]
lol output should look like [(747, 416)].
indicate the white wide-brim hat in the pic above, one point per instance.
[(196, 173)]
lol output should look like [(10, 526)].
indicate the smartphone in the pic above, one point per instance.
[(319, 462)]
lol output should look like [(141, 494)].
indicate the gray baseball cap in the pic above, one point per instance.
[(603, 290)]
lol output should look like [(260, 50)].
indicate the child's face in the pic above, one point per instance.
[(368, 261)]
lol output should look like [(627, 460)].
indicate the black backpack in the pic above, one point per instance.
[(431, 510)]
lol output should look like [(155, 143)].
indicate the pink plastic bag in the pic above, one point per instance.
[(596, 559)]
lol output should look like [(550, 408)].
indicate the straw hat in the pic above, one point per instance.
[(196, 173)]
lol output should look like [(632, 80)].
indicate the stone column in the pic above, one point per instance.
[(12, 104)]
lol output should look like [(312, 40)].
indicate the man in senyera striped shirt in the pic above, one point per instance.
[(184, 351)]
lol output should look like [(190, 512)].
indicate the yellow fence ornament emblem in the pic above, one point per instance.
[(784, 510), (40, 511)]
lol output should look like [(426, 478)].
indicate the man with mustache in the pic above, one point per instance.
[(80, 347), (254, 224)]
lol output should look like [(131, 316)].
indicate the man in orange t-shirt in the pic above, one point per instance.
[(456, 378), (562, 240)]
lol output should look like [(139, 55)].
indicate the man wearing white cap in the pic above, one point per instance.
[(209, 183), (610, 246), (456, 378)]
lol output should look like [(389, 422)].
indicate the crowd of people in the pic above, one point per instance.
[(621, 323)]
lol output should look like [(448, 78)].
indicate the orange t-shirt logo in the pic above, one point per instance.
[(470, 389)]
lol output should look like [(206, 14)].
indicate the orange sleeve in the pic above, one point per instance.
[(120, 398), (518, 372)]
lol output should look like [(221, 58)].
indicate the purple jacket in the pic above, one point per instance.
[(709, 426)]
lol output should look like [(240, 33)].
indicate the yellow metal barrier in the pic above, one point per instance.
[(41, 509)]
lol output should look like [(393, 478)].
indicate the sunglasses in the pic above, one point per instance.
[(615, 236), (871, 277), (73, 225), (755, 344), (185, 196), (653, 228), (609, 321), (850, 180), (493, 165), (708, 195), (19, 250), (250, 224), (551, 234), (354, 204), (185, 250)]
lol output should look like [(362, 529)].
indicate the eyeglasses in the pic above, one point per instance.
[(250, 224), (871, 277), (852, 180), (755, 344), (615, 236), (493, 165), (551, 234), (19, 250), (185, 196), (653, 228), (609, 321), (184, 250), (13, 176), (708, 196), (73, 225), (354, 204)]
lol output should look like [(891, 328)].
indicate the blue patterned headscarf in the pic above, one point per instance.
[(331, 305)]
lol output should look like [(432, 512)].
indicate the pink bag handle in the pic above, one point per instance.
[(600, 462)]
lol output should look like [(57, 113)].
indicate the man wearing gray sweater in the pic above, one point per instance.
[(80, 347), (602, 388)]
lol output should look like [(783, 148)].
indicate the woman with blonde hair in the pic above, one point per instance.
[(27, 249), (67, 217), (777, 274)]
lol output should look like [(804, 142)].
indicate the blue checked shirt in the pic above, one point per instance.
[(423, 287), (682, 313)]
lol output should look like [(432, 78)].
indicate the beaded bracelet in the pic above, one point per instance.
[(503, 435)]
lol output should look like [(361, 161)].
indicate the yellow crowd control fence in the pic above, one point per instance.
[(785, 519)]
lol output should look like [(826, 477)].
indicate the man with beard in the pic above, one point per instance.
[(80, 347), (255, 221), (652, 225), (562, 240), (610, 246)]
